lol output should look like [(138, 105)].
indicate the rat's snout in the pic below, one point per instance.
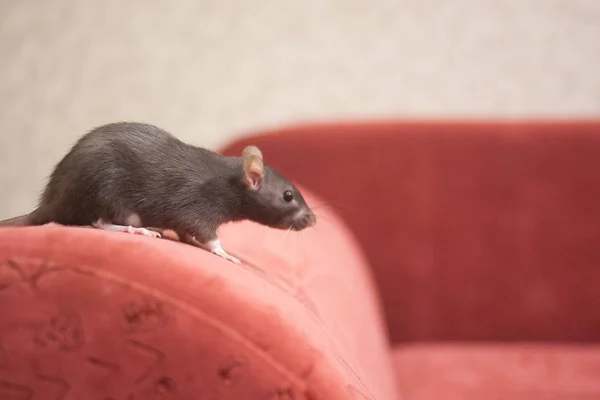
[(304, 221), (311, 219)]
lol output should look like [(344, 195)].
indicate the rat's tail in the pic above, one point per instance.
[(22, 220), (39, 216)]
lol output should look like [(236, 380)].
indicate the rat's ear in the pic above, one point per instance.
[(253, 167)]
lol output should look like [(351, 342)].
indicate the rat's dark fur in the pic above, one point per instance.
[(122, 169)]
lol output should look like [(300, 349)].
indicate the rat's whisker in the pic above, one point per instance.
[(303, 246), (316, 229), (323, 217), (320, 207), (283, 237), (334, 205), (263, 236)]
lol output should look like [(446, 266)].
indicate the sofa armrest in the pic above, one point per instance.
[(110, 315), (475, 231)]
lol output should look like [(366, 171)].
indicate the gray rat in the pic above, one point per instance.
[(138, 178)]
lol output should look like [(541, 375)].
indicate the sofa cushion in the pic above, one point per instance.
[(498, 371), (86, 313)]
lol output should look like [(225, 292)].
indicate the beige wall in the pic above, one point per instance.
[(211, 69)]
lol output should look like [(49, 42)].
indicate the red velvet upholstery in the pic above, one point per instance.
[(475, 231), (506, 372), (90, 314)]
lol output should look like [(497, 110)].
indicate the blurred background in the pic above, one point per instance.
[(212, 70)]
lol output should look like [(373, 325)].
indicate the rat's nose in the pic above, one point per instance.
[(311, 219), (303, 221)]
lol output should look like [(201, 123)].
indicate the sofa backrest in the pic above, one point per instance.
[(474, 230)]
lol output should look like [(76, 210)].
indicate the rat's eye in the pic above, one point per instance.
[(288, 196)]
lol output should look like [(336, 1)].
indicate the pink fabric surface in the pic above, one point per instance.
[(498, 372), (86, 313)]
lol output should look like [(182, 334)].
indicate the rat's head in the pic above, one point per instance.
[(269, 198)]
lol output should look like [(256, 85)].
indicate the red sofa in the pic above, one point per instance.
[(450, 261)]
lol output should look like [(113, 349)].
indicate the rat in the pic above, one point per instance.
[(138, 178)]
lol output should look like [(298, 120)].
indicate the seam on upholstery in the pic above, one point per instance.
[(292, 291), (289, 288)]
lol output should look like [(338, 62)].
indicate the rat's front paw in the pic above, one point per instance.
[(226, 256), (153, 234), (143, 232), (214, 246)]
